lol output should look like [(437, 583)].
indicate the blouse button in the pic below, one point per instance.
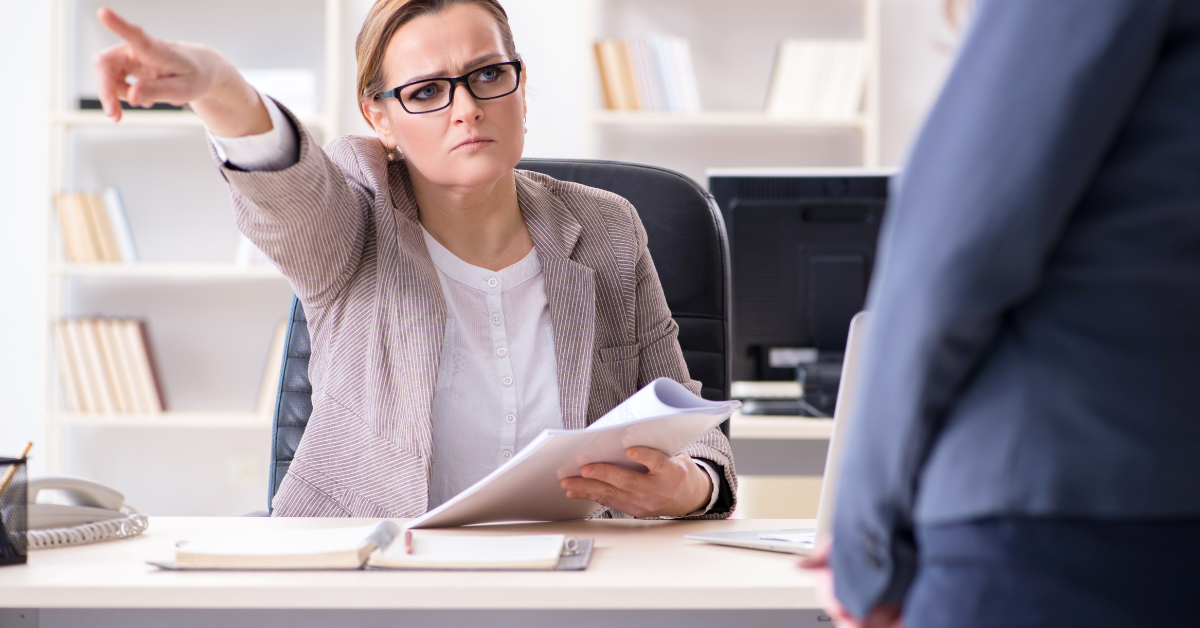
[(497, 319), (507, 380), (493, 282), (506, 454), (502, 351), (510, 418)]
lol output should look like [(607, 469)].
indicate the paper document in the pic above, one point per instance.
[(663, 415), (535, 551), (805, 536)]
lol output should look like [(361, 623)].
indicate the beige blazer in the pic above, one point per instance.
[(342, 225)]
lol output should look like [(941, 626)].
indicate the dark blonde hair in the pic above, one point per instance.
[(387, 16)]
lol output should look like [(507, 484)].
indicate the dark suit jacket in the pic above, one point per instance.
[(1035, 345)]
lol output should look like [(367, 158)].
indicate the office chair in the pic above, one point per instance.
[(686, 239)]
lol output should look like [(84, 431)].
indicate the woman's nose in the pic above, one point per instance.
[(463, 106)]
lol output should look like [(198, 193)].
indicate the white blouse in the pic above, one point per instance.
[(497, 385)]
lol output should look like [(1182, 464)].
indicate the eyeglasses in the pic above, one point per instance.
[(486, 83)]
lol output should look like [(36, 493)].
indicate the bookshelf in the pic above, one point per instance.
[(169, 420), (211, 321), (178, 271), (733, 53)]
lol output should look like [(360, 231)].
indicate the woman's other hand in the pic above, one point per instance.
[(671, 486), (176, 73), (881, 617)]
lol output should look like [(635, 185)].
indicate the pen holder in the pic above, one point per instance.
[(14, 522)]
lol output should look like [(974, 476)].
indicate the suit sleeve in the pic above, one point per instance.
[(1036, 97), (309, 218)]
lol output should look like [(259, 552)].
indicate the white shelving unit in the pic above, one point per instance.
[(646, 136), (179, 271), (154, 289)]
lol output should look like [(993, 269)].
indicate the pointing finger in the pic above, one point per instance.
[(131, 33)]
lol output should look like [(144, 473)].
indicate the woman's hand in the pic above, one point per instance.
[(176, 73), (671, 487), (881, 617)]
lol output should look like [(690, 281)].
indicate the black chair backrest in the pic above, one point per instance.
[(690, 251)]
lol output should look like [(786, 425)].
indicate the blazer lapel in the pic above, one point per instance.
[(421, 324), (570, 294)]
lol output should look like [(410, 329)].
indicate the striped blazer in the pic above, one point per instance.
[(342, 226)]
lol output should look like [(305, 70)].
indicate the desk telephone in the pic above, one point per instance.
[(71, 511)]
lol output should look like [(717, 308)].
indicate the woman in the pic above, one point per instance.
[(457, 307)]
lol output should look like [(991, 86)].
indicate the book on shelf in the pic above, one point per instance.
[(106, 366), (268, 389), (818, 78), (95, 227), (654, 73), (92, 103)]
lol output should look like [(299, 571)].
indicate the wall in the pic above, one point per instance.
[(23, 183)]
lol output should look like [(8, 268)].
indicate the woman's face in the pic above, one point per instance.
[(470, 143)]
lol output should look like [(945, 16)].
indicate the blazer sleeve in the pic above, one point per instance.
[(661, 356), (310, 218), (1037, 96)]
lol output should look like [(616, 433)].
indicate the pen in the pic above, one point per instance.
[(408, 541), (12, 470)]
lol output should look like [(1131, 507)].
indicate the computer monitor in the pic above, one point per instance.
[(802, 243)]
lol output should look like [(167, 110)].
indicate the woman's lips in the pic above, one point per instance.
[(474, 143)]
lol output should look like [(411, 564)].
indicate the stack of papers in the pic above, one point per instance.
[(664, 415)]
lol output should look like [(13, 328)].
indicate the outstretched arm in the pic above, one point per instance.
[(177, 73), (310, 216)]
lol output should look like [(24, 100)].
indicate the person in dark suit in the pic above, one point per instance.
[(1026, 449)]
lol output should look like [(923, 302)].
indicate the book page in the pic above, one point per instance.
[(460, 551)]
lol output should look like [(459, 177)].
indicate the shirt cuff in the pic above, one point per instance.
[(712, 499), (276, 149)]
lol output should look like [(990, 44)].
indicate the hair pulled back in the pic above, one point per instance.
[(387, 16)]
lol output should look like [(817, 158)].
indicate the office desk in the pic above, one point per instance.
[(641, 573)]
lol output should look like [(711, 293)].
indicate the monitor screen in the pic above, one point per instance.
[(802, 246)]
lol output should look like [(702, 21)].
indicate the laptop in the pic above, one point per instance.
[(804, 541)]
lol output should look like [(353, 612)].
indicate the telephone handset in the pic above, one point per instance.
[(70, 511)]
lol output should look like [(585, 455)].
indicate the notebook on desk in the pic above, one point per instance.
[(381, 546), (805, 541)]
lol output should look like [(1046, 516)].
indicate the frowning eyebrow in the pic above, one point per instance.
[(470, 64)]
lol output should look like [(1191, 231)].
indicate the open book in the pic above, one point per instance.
[(663, 415), (381, 546)]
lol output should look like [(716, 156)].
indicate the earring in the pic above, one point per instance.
[(391, 154)]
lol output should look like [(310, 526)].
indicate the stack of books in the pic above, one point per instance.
[(818, 79), (649, 74), (106, 367), (95, 228)]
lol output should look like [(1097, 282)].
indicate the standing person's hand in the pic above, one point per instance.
[(880, 617), (176, 73)]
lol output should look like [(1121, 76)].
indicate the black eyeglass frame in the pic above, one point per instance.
[(395, 91)]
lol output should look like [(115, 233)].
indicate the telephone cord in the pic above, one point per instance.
[(131, 525)]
